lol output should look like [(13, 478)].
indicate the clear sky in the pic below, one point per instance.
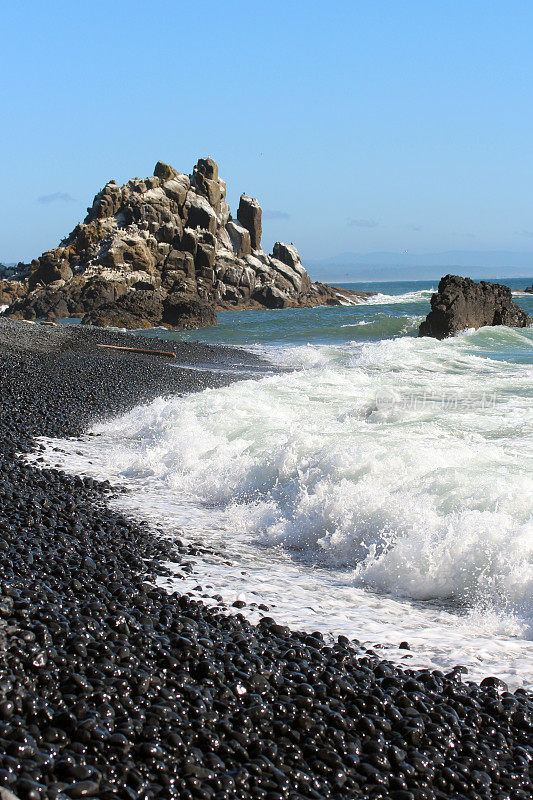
[(360, 126)]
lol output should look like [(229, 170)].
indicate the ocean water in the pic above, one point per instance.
[(379, 486)]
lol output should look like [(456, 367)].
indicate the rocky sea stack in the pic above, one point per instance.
[(165, 250), (460, 303)]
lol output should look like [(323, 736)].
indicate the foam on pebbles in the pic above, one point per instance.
[(111, 688)]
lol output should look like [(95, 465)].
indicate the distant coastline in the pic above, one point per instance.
[(344, 281), (384, 266)]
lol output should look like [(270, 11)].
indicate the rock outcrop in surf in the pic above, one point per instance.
[(460, 303), (165, 250)]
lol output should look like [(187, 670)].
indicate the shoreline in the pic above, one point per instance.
[(110, 687)]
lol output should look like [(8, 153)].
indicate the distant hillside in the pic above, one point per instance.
[(383, 266)]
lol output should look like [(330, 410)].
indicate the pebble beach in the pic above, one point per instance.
[(111, 687)]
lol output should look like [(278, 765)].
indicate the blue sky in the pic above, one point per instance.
[(360, 126)]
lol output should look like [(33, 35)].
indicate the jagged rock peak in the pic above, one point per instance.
[(163, 250), (164, 171), (207, 167), (249, 215)]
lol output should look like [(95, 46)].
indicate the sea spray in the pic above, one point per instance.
[(395, 469)]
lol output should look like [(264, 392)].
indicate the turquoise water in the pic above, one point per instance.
[(396, 310)]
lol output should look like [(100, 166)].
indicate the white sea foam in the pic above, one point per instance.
[(419, 296), (383, 490)]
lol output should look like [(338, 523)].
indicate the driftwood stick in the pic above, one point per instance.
[(166, 353)]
